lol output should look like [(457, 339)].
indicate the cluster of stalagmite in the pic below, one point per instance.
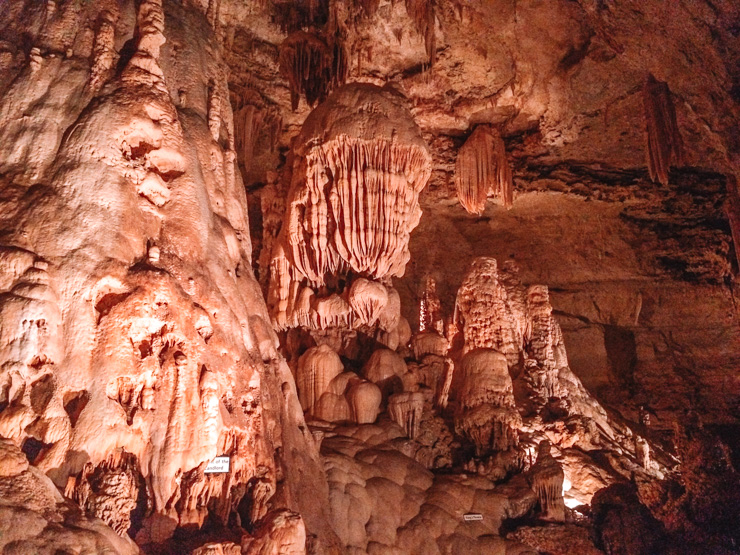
[(664, 143), (495, 311), (328, 393), (482, 169), (360, 164)]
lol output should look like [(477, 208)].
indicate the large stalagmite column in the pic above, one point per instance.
[(134, 340)]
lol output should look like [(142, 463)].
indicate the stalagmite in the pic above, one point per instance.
[(482, 169), (429, 343), (484, 312), (664, 143), (354, 197), (405, 409), (317, 367), (214, 110), (364, 400), (390, 317), (546, 478), (642, 450), (332, 407), (487, 414), (104, 53), (544, 344)]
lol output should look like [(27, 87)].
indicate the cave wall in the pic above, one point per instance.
[(136, 342)]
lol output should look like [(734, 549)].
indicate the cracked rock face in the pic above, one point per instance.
[(433, 276)]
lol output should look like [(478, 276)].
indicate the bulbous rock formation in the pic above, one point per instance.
[(317, 367), (360, 164)]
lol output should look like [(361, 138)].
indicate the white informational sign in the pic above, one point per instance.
[(219, 464), (470, 517)]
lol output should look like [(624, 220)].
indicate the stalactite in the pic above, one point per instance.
[(312, 66), (150, 32), (442, 394), (482, 169), (370, 205), (252, 122), (664, 143), (405, 409), (421, 13), (292, 16), (110, 490)]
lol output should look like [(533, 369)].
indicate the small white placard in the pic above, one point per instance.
[(470, 517), (219, 464)]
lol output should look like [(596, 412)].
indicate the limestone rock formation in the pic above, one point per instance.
[(359, 166)]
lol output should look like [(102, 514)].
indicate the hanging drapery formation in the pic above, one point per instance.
[(482, 169), (312, 66), (360, 164), (664, 143), (421, 13)]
